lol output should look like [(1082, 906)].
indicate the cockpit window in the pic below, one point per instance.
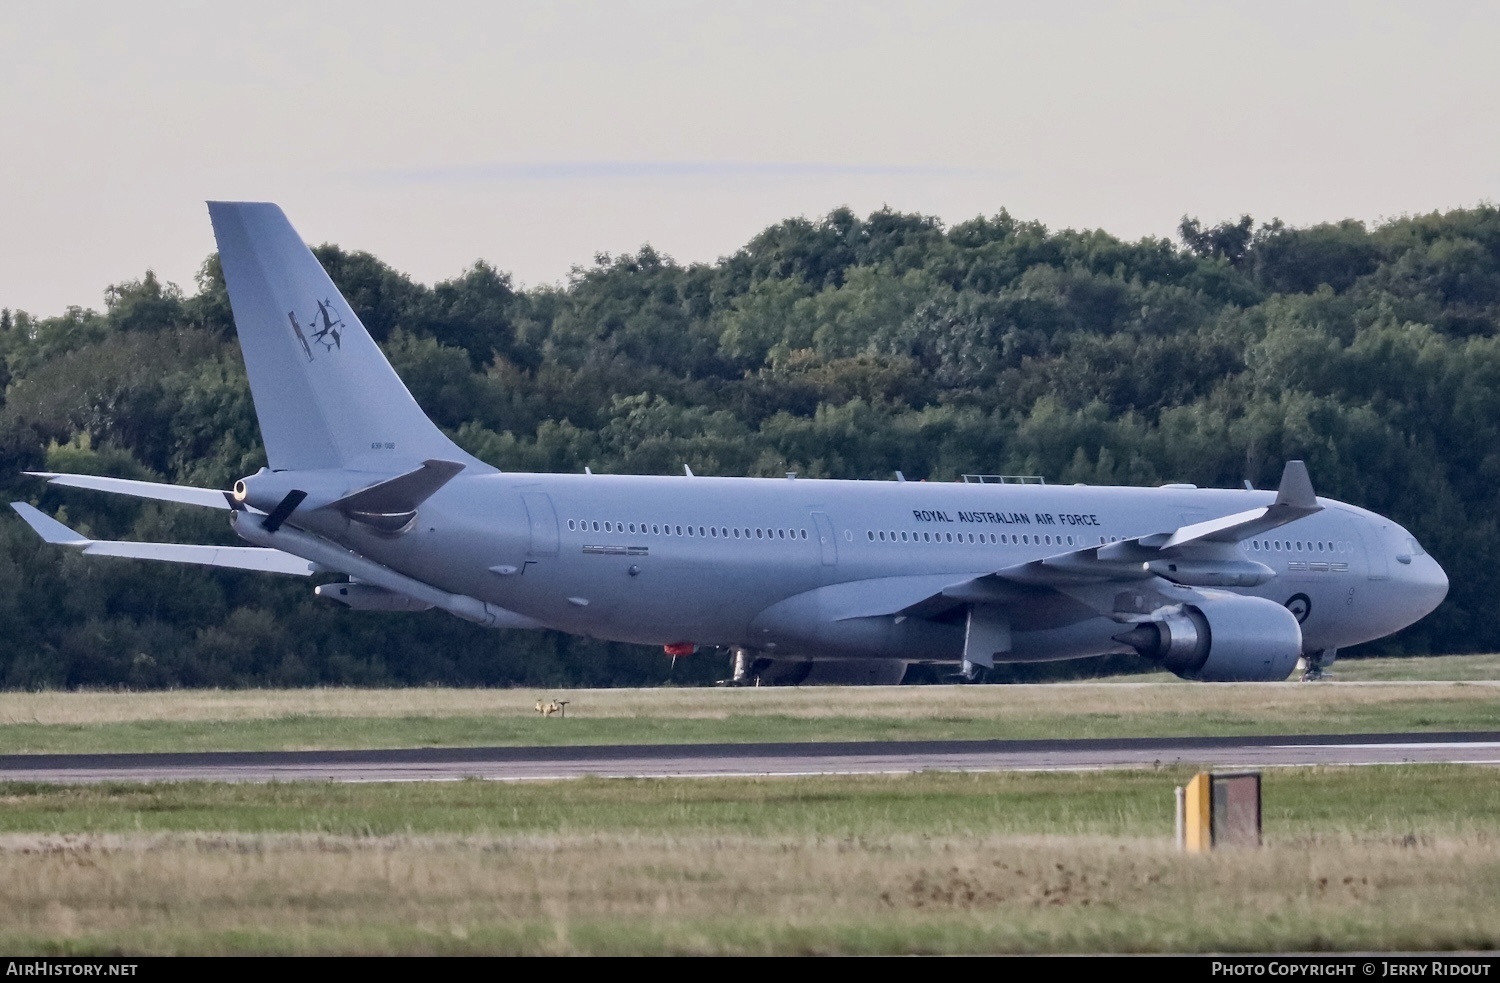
[(1416, 547)]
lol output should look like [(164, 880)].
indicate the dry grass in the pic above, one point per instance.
[(1475, 668), (1369, 696), (1357, 858), (718, 894), (1048, 700)]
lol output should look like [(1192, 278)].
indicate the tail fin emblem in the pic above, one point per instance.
[(329, 325), (328, 334)]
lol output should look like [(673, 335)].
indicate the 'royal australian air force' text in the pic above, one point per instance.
[(1009, 518)]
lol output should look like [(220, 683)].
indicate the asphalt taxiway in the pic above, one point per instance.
[(705, 760)]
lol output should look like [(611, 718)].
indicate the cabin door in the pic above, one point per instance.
[(826, 540), (542, 520)]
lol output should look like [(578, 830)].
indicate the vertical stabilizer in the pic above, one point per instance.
[(324, 393)]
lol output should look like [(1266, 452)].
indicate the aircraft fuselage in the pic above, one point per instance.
[(662, 560)]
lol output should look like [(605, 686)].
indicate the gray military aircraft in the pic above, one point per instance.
[(802, 579)]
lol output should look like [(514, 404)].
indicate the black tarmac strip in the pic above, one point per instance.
[(688, 760)]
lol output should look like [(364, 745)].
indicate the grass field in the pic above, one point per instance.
[(1366, 696), (1356, 858), (1456, 668), (1378, 858)]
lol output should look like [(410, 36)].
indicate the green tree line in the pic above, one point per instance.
[(841, 347)]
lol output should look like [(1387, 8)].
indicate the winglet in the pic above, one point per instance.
[(1296, 487), (49, 528)]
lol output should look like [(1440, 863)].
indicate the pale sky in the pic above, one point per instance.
[(534, 135)]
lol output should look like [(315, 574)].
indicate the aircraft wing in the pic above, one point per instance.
[(1203, 554), (186, 494), (236, 557), (1161, 568)]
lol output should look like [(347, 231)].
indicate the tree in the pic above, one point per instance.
[(1228, 241)]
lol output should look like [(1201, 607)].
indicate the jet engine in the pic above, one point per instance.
[(1223, 638)]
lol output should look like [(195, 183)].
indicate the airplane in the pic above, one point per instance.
[(801, 580)]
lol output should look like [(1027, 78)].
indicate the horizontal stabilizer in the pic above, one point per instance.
[(49, 528), (186, 494), (234, 557), (260, 559)]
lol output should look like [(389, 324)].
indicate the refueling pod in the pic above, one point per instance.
[(368, 597)]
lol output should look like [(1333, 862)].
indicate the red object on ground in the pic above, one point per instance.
[(680, 648)]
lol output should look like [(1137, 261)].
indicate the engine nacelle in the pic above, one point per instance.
[(1224, 638)]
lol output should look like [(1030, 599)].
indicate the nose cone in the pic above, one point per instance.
[(1423, 587)]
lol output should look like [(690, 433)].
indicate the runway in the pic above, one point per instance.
[(707, 760)]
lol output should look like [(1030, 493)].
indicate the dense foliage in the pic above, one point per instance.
[(841, 347)]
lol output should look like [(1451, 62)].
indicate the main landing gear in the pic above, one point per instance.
[(1314, 665), (743, 670)]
